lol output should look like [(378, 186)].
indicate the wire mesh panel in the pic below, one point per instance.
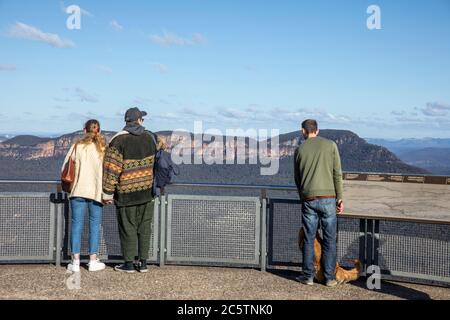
[(285, 221), (213, 230), (283, 228), (348, 241), (109, 249), (27, 227), (414, 250)]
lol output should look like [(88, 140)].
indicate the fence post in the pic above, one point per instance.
[(369, 257), (162, 232), (376, 241), (59, 204), (263, 255), (363, 243)]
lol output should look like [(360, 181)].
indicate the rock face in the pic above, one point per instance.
[(34, 148), (356, 153)]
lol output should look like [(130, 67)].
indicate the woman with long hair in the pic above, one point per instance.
[(86, 193)]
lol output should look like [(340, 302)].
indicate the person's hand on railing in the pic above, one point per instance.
[(340, 206)]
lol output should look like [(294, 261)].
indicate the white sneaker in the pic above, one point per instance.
[(96, 265), (74, 266)]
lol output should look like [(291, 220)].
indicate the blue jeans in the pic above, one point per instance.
[(313, 212), (78, 206)]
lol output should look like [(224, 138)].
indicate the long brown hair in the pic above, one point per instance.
[(92, 135)]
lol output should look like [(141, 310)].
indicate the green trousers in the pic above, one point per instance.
[(135, 229)]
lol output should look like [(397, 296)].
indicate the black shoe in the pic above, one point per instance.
[(126, 267), (305, 280), (141, 266)]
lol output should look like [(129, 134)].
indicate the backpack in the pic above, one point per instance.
[(164, 169)]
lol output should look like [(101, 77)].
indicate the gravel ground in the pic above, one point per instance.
[(181, 282)]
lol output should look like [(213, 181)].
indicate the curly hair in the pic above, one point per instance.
[(92, 135)]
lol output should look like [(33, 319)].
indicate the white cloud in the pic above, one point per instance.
[(302, 114), (194, 114), (168, 116), (198, 38), (115, 25), (406, 118), (285, 117), (84, 96), (24, 31), (161, 68), (57, 99), (234, 114), (254, 114), (398, 113), (436, 109), (141, 100), (172, 39), (8, 67), (104, 69)]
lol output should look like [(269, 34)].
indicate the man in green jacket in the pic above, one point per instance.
[(318, 177)]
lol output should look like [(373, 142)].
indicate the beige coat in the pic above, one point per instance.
[(88, 172)]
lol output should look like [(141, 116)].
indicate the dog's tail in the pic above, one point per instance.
[(353, 274)]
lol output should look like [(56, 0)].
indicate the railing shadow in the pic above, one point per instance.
[(394, 289), (387, 287)]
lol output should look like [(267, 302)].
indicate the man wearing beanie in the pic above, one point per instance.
[(128, 181)]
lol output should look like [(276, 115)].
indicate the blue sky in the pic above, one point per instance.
[(247, 64)]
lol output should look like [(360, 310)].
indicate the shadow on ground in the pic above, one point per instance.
[(402, 291)]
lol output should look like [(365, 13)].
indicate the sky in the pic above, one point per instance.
[(231, 64)]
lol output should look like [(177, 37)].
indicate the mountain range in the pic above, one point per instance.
[(31, 157), (5, 137), (429, 153)]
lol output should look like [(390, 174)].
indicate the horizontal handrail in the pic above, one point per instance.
[(177, 184), (234, 186), (347, 175), (393, 218)]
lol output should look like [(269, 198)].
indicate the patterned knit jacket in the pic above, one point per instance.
[(128, 168)]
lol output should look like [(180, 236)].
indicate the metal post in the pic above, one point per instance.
[(369, 242), (376, 241), (263, 255), (363, 243), (263, 193), (162, 232), (155, 229), (59, 228)]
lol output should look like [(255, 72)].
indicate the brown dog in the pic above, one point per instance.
[(342, 275)]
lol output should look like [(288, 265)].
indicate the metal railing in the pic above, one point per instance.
[(257, 232)]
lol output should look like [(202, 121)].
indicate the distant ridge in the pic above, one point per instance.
[(5, 137), (436, 160), (25, 140), (432, 154), (23, 153), (404, 145)]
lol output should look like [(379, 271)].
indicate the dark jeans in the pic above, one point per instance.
[(313, 212), (135, 229)]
